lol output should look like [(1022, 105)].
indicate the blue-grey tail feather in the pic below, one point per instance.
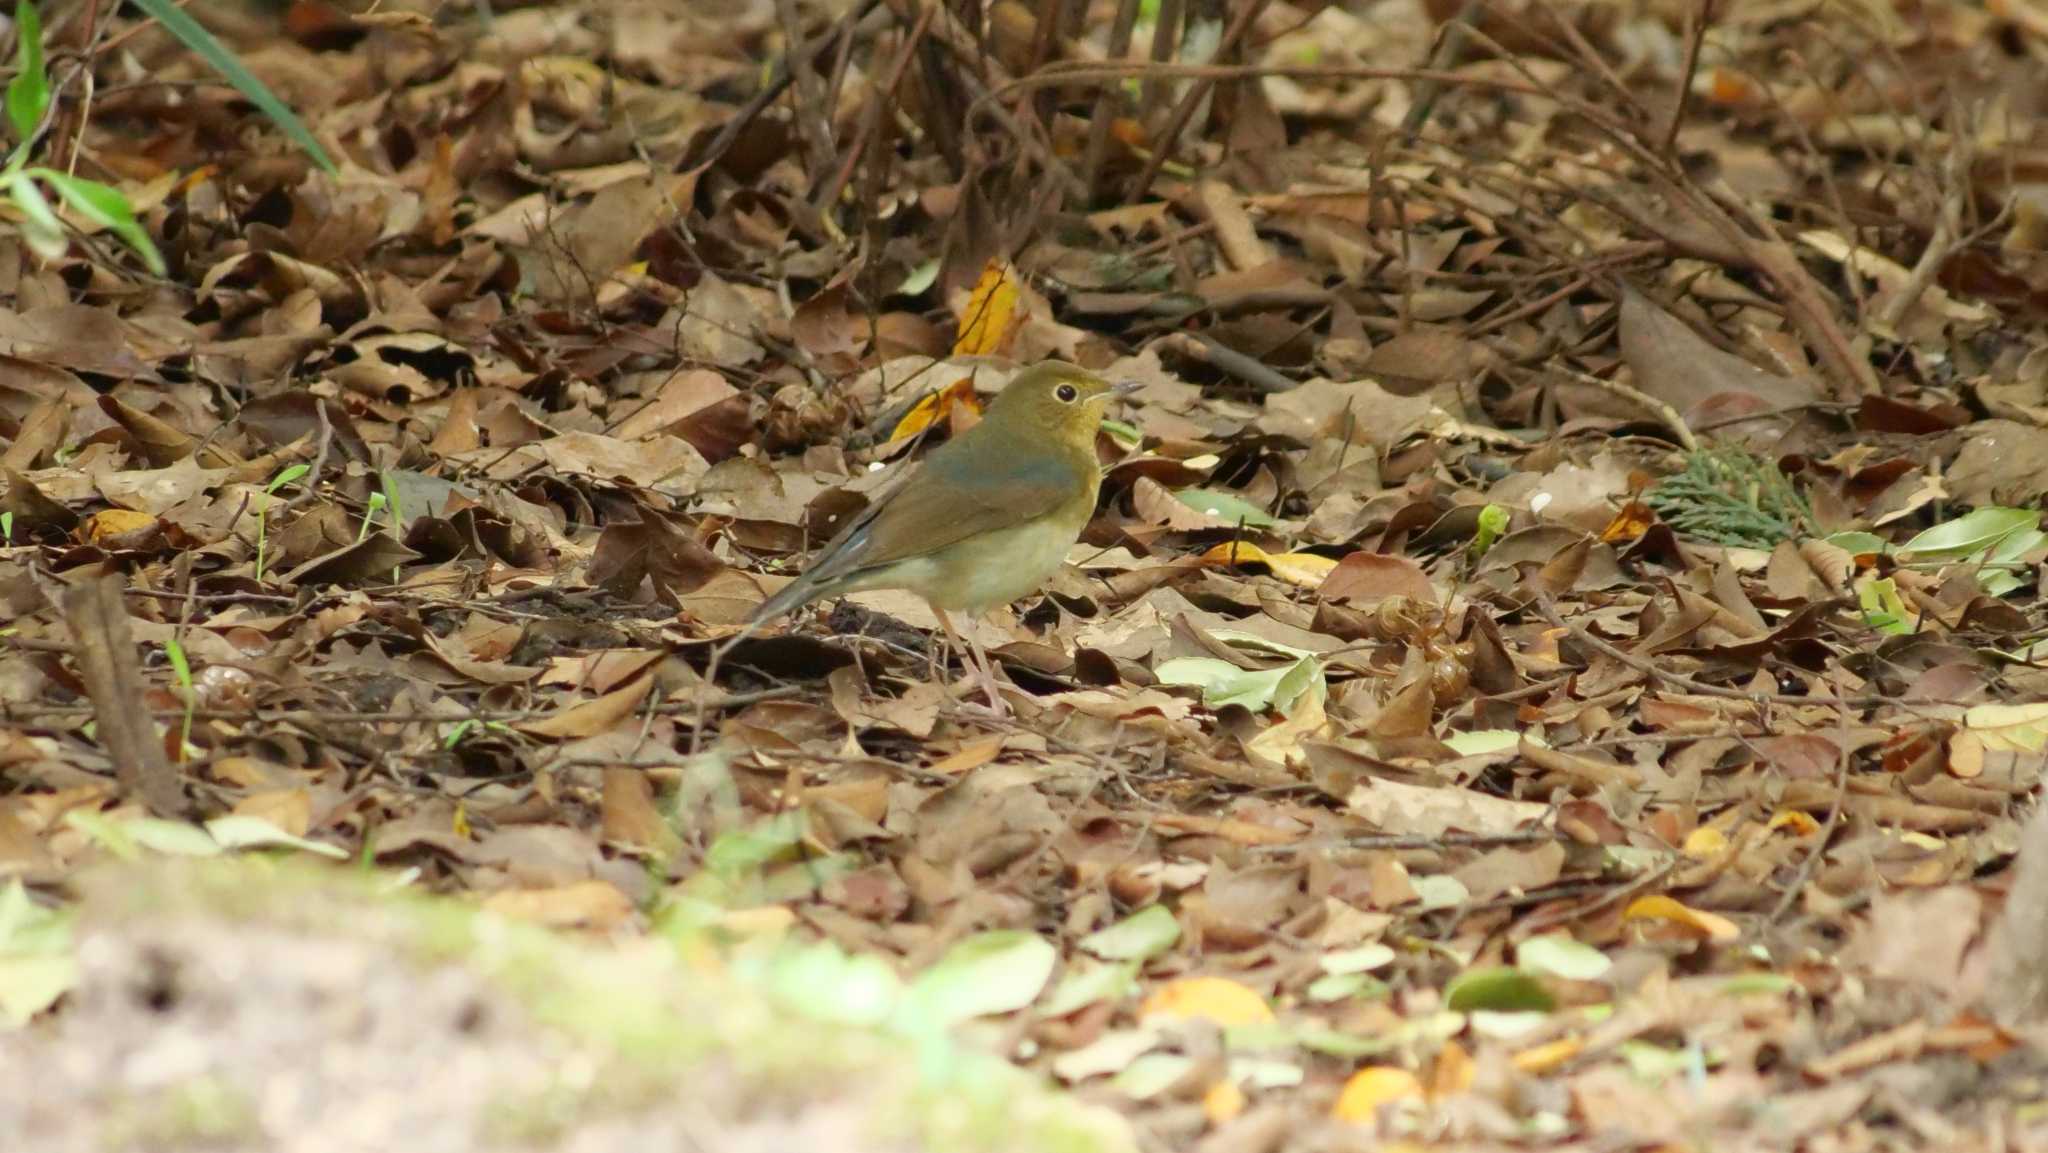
[(789, 598)]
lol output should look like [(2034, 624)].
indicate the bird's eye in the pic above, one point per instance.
[(1066, 392)]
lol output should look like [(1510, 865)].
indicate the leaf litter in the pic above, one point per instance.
[(1557, 661)]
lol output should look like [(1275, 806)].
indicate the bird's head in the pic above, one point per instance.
[(1056, 401)]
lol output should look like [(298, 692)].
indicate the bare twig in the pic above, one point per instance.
[(1638, 397), (1827, 829), (113, 678), (1207, 349), (798, 57), (1948, 233), (1106, 99), (1163, 143), (875, 116), (1696, 36)]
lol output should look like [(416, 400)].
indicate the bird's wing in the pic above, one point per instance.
[(953, 497), (956, 493)]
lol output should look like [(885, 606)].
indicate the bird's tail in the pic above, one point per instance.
[(787, 599)]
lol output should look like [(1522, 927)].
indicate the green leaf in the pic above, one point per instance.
[(28, 94), (127, 839), (180, 667), (1224, 684), (745, 851), (105, 206), (1226, 506), (1141, 936), (1088, 982), (243, 832), (994, 972), (1748, 984), (1150, 1075), (918, 279), (286, 477), (1956, 539), (1441, 891), (1123, 433), (40, 226), (1498, 988), (201, 42), (1859, 543), (1883, 609), (1344, 986), (1561, 956), (1362, 959), (825, 983), (36, 964), (1493, 521)]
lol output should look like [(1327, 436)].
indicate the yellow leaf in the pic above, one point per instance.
[(1701, 924), (937, 406), (1300, 569), (1217, 999), (989, 325), (1543, 1058), (1223, 1102), (1706, 841), (1372, 1087)]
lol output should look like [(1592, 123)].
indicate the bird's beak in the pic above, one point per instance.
[(1125, 387)]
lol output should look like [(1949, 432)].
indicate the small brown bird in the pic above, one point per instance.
[(986, 518)]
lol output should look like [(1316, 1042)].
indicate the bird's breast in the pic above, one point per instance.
[(996, 568)]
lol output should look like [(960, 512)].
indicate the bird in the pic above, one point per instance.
[(985, 518)]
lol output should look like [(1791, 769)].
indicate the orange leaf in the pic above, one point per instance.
[(1629, 524), (1732, 89), (989, 325), (1223, 1102), (113, 522), (1217, 999), (1453, 1072), (1698, 923), (1545, 1057), (1802, 824), (1372, 1087), (937, 406)]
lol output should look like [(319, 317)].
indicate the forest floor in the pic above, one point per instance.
[(1558, 661)]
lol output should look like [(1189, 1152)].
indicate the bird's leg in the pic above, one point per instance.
[(952, 639), (988, 677), (983, 672)]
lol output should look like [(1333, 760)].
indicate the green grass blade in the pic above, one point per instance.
[(28, 94), (199, 40)]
